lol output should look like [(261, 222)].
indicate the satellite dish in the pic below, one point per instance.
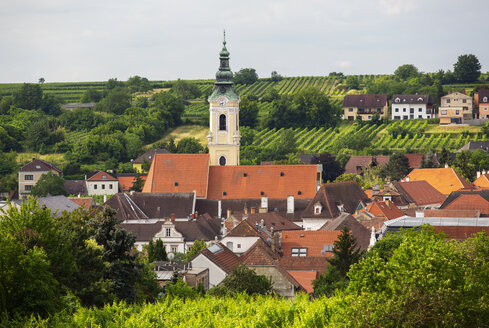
[(171, 256)]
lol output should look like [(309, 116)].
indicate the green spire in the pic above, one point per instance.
[(224, 85)]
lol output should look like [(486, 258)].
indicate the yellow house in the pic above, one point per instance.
[(31, 173), (364, 107), (455, 108), (147, 157)]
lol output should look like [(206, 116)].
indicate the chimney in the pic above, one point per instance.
[(229, 213), (478, 174), (262, 223), (375, 190), (483, 172), (33, 158), (105, 198), (172, 216), (257, 227), (219, 209), (407, 179), (246, 210), (132, 192), (253, 210), (419, 214), (446, 165), (290, 204)]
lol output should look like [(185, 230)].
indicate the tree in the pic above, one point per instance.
[(464, 165), (245, 280), (138, 184), (138, 84), (352, 82), (189, 145), (246, 76), (186, 90), (331, 168), (406, 71), (195, 249), (41, 80), (49, 183), (398, 166), (167, 108), (315, 109), (29, 96), (248, 112), (427, 161), (467, 68), (8, 171), (117, 100), (91, 95), (275, 77), (444, 157), (159, 253), (123, 271), (50, 105), (5, 104)]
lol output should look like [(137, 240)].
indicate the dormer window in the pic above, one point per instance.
[(484, 99), (104, 177), (318, 208), (397, 100), (387, 198), (341, 208), (38, 166), (420, 99)]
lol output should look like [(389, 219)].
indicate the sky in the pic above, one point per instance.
[(94, 40)]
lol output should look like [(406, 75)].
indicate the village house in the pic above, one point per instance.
[(445, 180), (364, 107), (415, 106), (482, 103), (30, 174), (455, 108), (101, 183)]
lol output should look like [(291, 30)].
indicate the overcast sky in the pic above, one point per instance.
[(94, 40)]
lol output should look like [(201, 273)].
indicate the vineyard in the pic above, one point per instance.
[(419, 138)]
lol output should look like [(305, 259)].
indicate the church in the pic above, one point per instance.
[(218, 175)]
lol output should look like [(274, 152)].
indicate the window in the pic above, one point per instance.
[(420, 116), (404, 109), (229, 245), (405, 117), (103, 186), (411, 116), (464, 100), (397, 117), (443, 112), (239, 246), (411, 110), (327, 248), (104, 176), (168, 232), (110, 186), (350, 109), (420, 109), (174, 249), (397, 100), (299, 251), (27, 187), (457, 112), (448, 101), (29, 177), (222, 122), (222, 160), (484, 99), (396, 110), (95, 186)]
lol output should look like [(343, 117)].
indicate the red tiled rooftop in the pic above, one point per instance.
[(385, 209), (101, 176), (126, 183), (421, 192), (225, 259), (469, 202), (313, 240), (178, 173), (254, 181), (305, 279), (445, 180), (461, 232), (85, 202)]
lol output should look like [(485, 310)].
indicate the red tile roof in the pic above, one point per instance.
[(225, 259), (126, 182), (385, 209), (85, 202), (469, 202), (254, 181), (445, 180), (461, 232), (416, 159), (313, 240), (101, 176), (311, 263), (482, 181), (445, 213), (243, 229), (38, 165), (272, 220), (305, 278), (178, 173), (419, 192)]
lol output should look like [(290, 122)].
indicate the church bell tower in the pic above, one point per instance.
[(224, 134)]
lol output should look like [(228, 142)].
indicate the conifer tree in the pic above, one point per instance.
[(345, 252)]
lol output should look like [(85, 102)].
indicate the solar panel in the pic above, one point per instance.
[(214, 248)]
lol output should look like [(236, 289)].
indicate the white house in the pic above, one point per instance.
[(219, 260), (102, 183), (405, 107), (241, 238)]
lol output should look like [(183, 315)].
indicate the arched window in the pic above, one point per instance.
[(484, 99), (222, 122), (222, 160)]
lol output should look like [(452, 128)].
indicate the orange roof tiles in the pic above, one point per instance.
[(385, 209), (305, 278), (461, 232), (178, 173), (444, 213), (249, 181), (126, 183), (101, 176), (420, 192), (469, 202), (85, 202), (445, 180), (482, 181), (313, 240)]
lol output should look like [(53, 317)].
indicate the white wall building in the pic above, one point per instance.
[(408, 107), (102, 183)]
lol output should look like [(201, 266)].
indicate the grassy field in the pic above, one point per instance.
[(184, 131)]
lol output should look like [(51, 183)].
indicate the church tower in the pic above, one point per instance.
[(224, 116)]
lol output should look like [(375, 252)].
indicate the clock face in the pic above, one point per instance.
[(222, 103)]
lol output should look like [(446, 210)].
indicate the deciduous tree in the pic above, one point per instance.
[(467, 68), (51, 184)]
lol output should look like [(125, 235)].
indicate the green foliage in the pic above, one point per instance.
[(138, 184), (189, 145), (327, 284), (195, 249), (331, 168), (117, 100), (405, 72), (83, 119), (49, 183), (159, 253), (181, 290), (245, 76), (345, 252), (5, 103), (248, 112), (8, 171), (138, 84), (91, 95), (467, 68), (275, 77), (245, 280), (397, 167), (186, 90), (29, 96), (352, 82)]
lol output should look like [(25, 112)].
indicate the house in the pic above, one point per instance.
[(416, 194), (219, 260), (304, 269), (406, 107), (147, 159), (361, 234), (475, 145), (30, 173), (376, 213), (241, 237), (317, 243), (126, 180), (76, 187), (177, 236), (101, 183), (455, 108), (330, 201), (264, 261), (364, 107), (445, 180), (482, 102), (468, 200), (356, 164), (482, 180), (84, 202), (165, 271)]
